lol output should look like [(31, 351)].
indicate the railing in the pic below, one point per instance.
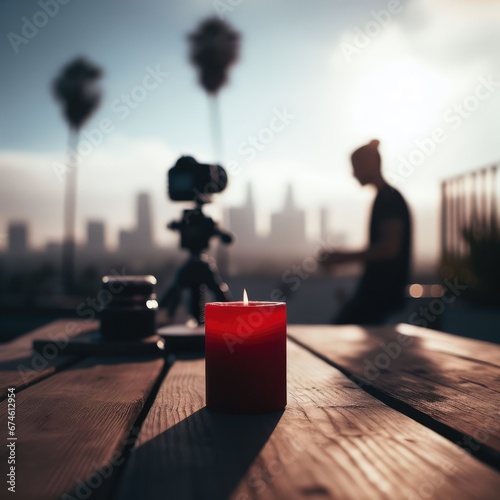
[(470, 233), (469, 209)]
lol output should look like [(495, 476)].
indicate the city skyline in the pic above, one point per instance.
[(287, 225)]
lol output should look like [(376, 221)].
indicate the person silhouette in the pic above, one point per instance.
[(381, 289)]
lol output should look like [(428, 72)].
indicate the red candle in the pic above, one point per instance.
[(245, 353)]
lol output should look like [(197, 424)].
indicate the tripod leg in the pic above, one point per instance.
[(170, 299), (196, 306), (216, 285)]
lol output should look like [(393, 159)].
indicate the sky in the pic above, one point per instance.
[(422, 76)]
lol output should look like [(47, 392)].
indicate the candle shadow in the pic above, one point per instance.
[(205, 456)]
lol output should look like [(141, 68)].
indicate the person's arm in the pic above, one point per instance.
[(388, 246)]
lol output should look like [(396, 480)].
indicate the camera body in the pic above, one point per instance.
[(189, 180)]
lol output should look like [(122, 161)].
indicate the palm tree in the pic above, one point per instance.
[(75, 88), (214, 49)]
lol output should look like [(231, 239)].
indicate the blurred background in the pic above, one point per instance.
[(314, 81)]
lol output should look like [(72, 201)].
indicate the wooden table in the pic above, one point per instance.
[(393, 412)]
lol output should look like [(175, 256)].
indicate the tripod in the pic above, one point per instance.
[(199, 273)]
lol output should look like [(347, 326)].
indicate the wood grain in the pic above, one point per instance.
[(454, 382), (333, 441), (73, 426), (477, 350), (468, 348), (20, 366)]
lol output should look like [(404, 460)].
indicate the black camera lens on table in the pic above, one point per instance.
[(130, 312), (128, 322)]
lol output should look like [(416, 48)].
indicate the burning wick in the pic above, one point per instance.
[(245, 297)]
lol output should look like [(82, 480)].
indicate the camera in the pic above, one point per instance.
[(189, 180)]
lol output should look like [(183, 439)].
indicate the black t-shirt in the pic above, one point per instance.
[(385, 281)]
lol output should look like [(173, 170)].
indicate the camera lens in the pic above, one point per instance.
[(129, 307), (189, 180)]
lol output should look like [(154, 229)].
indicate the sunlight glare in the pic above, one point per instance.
[(399, 102)]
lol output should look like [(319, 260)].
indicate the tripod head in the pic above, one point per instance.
[(196, 229)]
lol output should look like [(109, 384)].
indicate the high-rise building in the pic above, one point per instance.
[(140, 238), (288, 227), (126, 241), (18, 238), (324, 224), (242, 222), (144, 230), (95, 237)]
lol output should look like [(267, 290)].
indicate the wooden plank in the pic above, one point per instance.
[(333, 441), (452, 392), (72, 427), (20, 366), (476, 350)]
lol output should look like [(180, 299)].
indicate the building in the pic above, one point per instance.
[(140, 238), (144, 230), (95, 237), (242, 222), (126, 241), (324, 224), (17, 238), (288, 227)]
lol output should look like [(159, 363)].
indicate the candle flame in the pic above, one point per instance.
[(245, 297)]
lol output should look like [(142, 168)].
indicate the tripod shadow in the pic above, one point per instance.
[(216, 449)]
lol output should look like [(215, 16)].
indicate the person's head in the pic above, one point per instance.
[(366, 163)]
